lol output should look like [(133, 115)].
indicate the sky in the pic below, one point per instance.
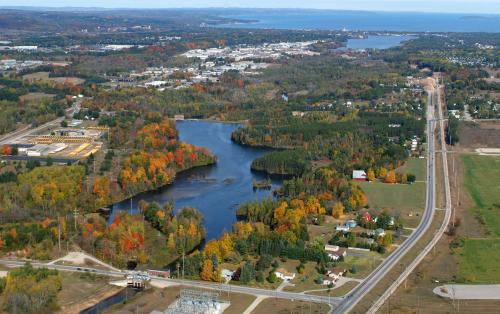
[(448, 6)]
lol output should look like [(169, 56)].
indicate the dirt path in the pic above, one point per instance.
[(254, 304), (81, 258)]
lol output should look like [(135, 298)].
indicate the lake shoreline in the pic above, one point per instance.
[(216, 190)]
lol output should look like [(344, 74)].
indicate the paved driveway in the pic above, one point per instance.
[(469, 292)]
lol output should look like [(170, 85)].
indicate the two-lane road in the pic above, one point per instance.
[(292, 296), (385, 267)]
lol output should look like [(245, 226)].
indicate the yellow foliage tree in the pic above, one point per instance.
[(390, 177), (382, 173), (226, 245), (370, 175), (171, 241), (143, 258), (207, 270), (338, 210), (313, 206)]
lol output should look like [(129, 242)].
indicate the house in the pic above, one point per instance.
[(343, 228), (227, 274), (367, 217), (351, 223), (335, 273), (359, 175), (335, 252), (380, 232), (283, 274), (284, 96), (328, 281)]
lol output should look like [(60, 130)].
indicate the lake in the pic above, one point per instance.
[(216, 190), (367, 21), (376, 42)]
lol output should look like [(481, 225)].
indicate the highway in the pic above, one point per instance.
[(292, 296), (378, 304), (392, 260)]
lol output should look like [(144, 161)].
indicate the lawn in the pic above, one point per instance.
[(482, 181), (365, 263), (417, 166), (404, 197), (337, 292), (303, 281), (479, 260)]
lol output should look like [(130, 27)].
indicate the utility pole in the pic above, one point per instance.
[(183, 255)]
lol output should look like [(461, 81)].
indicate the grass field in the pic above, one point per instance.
[(399, 196), (482, 180), (337, 292), (395, 196), (479, 260), (365, 263), (415, 166), (305, 281)]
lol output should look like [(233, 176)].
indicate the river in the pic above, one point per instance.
[(216, 190)]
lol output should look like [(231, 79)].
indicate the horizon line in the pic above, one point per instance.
[(34, 8)]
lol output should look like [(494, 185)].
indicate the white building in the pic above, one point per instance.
[(359, 175), (335, 252), (283, 274), (343, 228)]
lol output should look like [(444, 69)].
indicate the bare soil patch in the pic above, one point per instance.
[(281, 306), (479, 135), (160, 299)]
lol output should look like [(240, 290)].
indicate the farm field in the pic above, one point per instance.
[(44, 76)]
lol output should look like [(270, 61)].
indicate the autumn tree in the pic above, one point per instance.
[(102, 191), (338, 210), (6, 150), (382, 173), (390, 177), (370, 175), (207, 270)]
